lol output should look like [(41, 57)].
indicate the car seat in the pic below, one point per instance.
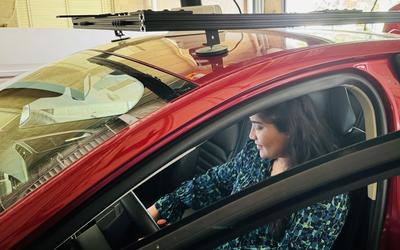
[(217, 150), (345, 116)]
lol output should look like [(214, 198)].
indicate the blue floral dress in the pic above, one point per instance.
[(313, 227)]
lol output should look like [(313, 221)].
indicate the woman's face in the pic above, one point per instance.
[(270, 143)]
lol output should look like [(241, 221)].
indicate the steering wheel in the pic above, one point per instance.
[(138, 213)]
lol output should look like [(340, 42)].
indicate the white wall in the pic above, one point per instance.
[(22, 49)]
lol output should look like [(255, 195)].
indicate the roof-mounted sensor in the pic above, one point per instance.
[(148, 20)]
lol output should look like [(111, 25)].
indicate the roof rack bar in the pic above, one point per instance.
[(148, 20)]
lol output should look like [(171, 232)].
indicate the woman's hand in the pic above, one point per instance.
[(155, 214)]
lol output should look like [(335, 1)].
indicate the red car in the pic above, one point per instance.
[(90, 141), (393, 27)]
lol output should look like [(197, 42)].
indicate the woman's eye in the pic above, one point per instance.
[(259, 127)]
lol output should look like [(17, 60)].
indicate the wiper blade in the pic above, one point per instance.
[(152, 83)]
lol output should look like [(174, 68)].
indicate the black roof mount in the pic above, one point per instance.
[(148, 20)]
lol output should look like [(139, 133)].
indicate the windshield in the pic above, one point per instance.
[(54, 116)]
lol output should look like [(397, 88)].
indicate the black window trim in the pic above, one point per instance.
[(94, 205)]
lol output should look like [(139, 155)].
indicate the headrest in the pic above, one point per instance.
[(334, 104)]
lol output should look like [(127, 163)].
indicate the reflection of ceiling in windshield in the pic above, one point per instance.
[(55, 88), (103, 96)]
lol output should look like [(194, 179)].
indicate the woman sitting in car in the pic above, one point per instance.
[(282, 137)]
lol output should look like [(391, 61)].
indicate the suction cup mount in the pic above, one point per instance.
[(213, 46)]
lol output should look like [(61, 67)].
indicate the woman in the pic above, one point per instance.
[(281, 137)]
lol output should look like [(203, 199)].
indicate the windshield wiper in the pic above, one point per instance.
[(154, 84)]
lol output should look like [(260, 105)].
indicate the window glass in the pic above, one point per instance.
[(55, 115), (364, 5)]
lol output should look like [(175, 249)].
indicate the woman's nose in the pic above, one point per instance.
[(251, 134)]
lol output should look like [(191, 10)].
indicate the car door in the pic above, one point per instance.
[(343, 171)]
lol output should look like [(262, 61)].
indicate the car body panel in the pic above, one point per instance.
[(240, 75), (393, 27)]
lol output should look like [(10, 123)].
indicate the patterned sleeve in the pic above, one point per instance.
[(316, 226), (203, 190)]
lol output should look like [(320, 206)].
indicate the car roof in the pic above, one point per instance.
[(175, 52)]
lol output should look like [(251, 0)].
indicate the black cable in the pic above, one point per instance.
[(237, 5), (373, 7), (237, 44)]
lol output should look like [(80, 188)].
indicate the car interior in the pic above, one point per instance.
[(125, 220)]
